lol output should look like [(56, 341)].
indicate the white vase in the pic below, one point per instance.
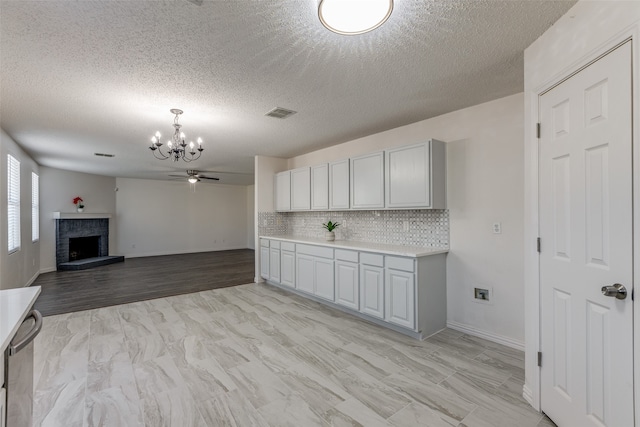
[(80, 210), (330, 236)]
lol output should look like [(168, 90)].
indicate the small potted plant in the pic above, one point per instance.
[(79, 203), (330, 226)]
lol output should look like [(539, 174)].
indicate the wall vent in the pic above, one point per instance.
[(104, 155), (280, 113)]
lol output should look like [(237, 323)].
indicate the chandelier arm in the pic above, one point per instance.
[(162, 155)]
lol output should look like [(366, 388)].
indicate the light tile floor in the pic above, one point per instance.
[(254, 355)]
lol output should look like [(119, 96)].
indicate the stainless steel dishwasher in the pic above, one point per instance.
[(19, 371)]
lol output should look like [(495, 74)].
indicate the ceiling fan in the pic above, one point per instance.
[(194, 176)]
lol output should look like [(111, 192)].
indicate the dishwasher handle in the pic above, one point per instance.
[(15, 348)]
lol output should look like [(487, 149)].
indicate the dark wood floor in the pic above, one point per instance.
[(139, 279)]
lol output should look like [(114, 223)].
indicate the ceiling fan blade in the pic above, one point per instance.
[(208, 177), (180, 176), (228, 173)]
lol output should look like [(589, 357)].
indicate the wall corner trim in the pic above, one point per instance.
[(527, 394), (490, 336)]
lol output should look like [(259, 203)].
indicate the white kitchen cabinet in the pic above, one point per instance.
[(3, 407), (372, 290), (301, 189), (400, 298), (324, 278), (283, 191), (288, 268), (415, 176), (347, 286), (274, 263), (367, 181), (304, 272), (339, 184), (264, 258), (320, 187)]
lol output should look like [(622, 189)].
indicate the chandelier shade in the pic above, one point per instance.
[(177, 147)]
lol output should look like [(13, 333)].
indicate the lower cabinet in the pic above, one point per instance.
[(288, 268), (304, 273), (264, 260), (347, 286), (315, 275), (274, 264), (372, 290), (400, 298)]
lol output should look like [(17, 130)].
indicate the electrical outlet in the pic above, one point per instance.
[(497, 228)]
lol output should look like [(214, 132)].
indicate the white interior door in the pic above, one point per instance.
[(586, 243)]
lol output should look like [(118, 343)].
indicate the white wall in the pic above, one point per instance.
[(168, 217), (58, 188), (484, 180), (20, 268), (251, 207), (586, 31)]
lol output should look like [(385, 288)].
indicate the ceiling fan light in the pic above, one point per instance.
[(193, 179), (351, 17)]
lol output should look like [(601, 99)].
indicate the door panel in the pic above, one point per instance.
[(586, 243)]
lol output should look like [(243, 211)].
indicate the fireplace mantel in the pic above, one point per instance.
[(77, 215)]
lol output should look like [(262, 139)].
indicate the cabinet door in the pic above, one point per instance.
[(367, 181), (264, 262), (300, 189), (324, 278), (304, 273), (283, 191), (288, 268), (274, 265), (320, 187), (339, 184), (347, 284), (400, 298), (3, 406), (372, 290), (408, 176)]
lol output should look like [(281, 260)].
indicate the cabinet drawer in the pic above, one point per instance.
[(288, 246), (275, 244), (397, 263), (318, 251), (343, 255), (264, 242), (371, 259)]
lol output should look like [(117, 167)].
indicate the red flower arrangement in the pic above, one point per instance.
[(78, 202)]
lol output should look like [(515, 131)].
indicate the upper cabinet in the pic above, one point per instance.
[(415, 176), (320, 187), (367, 181), (339, 184), (301, 189), (283, 191), (409, 177)]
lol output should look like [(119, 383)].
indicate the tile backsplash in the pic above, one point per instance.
[(419, 227)]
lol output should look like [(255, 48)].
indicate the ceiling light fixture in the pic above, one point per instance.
[(177, 147), (351, 17)]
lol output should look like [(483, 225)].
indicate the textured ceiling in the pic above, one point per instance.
[(80, 77)]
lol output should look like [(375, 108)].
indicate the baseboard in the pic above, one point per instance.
[(163, 253), (33, 279), (527, 394), (47, 270), (490, 336)]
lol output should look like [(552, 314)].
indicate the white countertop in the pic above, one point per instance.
[(399, 250), (14, 307)]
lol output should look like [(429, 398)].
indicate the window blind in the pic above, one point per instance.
[(13, 205), (35, 207)]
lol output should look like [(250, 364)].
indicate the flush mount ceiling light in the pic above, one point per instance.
[(176, 146), (351, 17)]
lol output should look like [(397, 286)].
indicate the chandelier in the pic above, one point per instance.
[(177, 148)]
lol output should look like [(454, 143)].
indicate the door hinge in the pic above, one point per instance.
[(538, 130), (539, 358), (538, 244)]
